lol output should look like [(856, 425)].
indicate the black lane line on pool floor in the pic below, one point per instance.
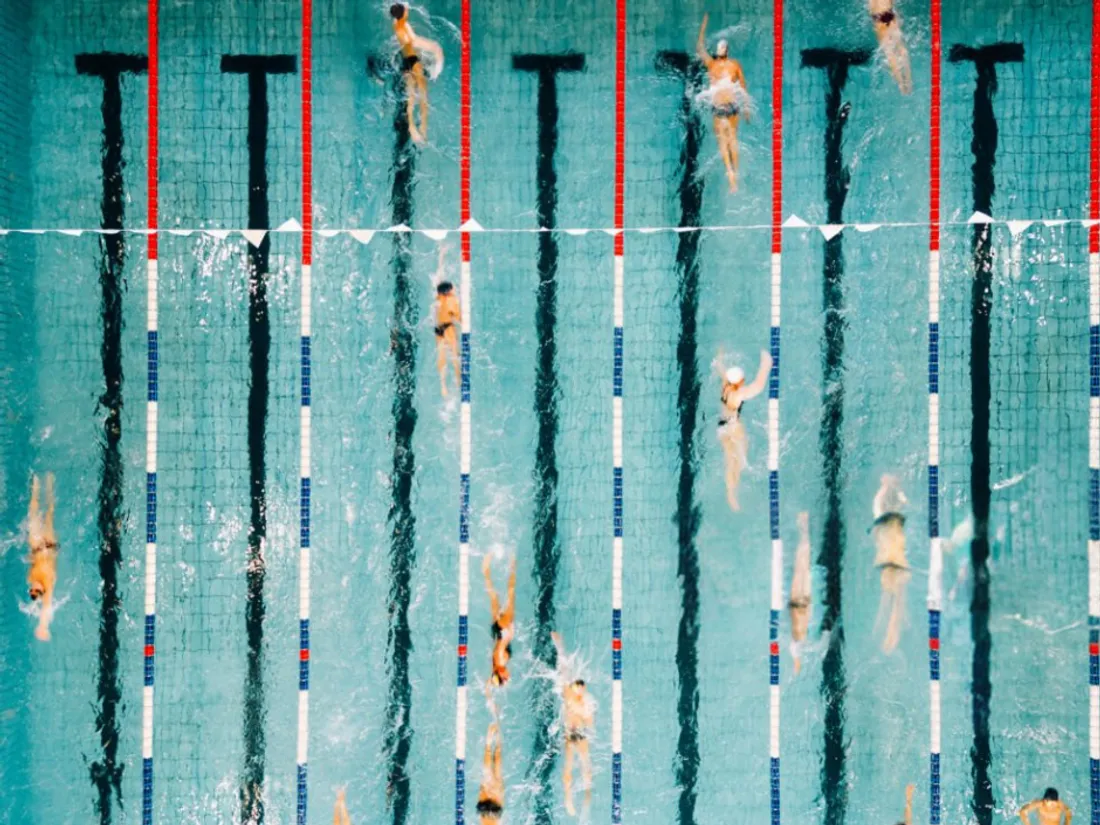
[(106, 773), (834, 688), (256, 68), (547, 546), (984, 147), (398, 736), (688, 72)]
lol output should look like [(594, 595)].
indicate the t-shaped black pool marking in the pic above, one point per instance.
[(106, 774), (689, 73), (836, 64), (547, 546), (397, 739), (257, 68), (984, 146)]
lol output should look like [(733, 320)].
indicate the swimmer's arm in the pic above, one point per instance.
[(757, 386), (701, 44), (423, 44), (909, 804), (719, 364), (559, 646), (1027, 809), (1068, 812)]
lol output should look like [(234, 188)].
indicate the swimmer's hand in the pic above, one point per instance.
[(42, 633)]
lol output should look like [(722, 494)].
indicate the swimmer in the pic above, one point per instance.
[(490, 796), (416, 84), (908, 805), (890, 39), (726, 80), (1050, 809), (446, 315), (504, 622), (888, 532), (43, 543), (340, 813), (799, 603), (578, 719), (731, 430)]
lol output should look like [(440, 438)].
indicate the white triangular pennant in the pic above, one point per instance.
[(576, 233), (1017, 227), (1088, 224), (471, 226), (979, 217), (398, 228), (831, 230), (435, 234), (3, 231), (613, 231), (679, 230), (254, 236), (362, 235), (289, 226), (75, 233), (328, 233), (867, 227), (794, 222)]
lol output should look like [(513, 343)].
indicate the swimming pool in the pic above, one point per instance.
[(384, 470)]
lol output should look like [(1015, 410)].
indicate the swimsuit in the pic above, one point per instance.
[(497, 632), (889, 518), (408, 61), (724, 420), (575, 734), (439, 330), (489, 807), (725, 109), (799, 603), (885, 17)]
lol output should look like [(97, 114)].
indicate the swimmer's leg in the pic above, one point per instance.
[(567, 778), (410, 106), (441, 364), (721, 134), (733, 445), (498, 760), (422, 84), (893, 628), (34, 512), (456, 359), (586, 770), (51, 503)]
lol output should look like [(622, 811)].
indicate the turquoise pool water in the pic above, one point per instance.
[(51, 331)]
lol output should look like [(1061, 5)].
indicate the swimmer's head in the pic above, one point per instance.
[(444, 288), (889, 480), (398, 11), (36, 592), (579, 683), (735, 375), (1051, 795), (722, 49)]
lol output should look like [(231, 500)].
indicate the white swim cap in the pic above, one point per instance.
[(723, 48), (735, 375)]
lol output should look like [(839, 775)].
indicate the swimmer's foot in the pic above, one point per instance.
[(570, 808), (443, 388), (733, 182), (414, 133), (733, 503), (42, 633)]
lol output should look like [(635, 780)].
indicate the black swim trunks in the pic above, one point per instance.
[(888, 518), (575, 734), (885, 17), (408, 61), (489, 807), (725, 109), (439, 330), (497, 633)]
